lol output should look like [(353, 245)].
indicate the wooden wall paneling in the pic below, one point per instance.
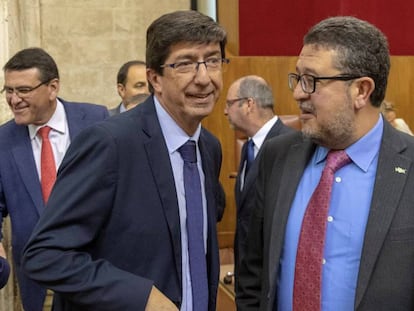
[(401, 87), (275, 70), (228, 17)]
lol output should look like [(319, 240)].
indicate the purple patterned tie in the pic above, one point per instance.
[(194, 207), (308, 268)]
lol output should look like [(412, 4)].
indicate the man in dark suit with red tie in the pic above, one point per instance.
[(31, 86), (123, 230), (333, 223), (250, 110)]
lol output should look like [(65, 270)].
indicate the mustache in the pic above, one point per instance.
[(306, 107)]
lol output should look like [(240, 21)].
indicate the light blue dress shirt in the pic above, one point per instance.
[(346, 222), (175, 137)]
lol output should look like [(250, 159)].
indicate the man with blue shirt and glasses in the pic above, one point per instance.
[(333, 224), (131, 223)]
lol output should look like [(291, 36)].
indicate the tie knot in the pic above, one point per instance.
[(44, 132), (188, 151), (337, 159)]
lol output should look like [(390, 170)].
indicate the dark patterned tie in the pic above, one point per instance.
[(194, 207), (249, 156), (308, 268), (47, 164)]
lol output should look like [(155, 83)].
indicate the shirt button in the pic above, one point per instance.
[(323, 261), (330, 218), (338, 179)]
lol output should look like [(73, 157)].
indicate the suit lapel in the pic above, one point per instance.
[(23, 156), (209, 177), (207, 161), (23, 153), (392, 172), (238, 192), (75, 117), (298, 157), (250, 179), (159, 161)]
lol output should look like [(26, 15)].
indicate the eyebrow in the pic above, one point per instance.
[(306, 70), (194, 56), (16, 87)]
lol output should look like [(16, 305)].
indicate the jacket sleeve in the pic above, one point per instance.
[(58, 254), (4, 271)]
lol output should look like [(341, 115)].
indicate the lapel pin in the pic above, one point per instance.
[(400, 170)]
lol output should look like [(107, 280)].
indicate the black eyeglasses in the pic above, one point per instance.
[(212, 64), (308, 82), (21, 91), (230, 102)]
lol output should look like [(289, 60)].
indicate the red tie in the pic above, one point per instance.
[(47, 164), (308, 269)]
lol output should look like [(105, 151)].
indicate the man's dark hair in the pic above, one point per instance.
[(180, 26), (34, 58), (123, 71), (362, 49)]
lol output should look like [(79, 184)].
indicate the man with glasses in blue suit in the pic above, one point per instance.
[(31, 86), (126, 239)]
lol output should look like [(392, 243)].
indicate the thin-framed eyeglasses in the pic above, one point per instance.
[(308, 82), (21, 91), (213, 64), (230, 102)]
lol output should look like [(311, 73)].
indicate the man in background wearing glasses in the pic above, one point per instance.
[(31, 86), (137, 235), (333, 224), (250, 110)]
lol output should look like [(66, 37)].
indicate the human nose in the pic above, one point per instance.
[(201, 63), (13, 97), (202, 75), (298, 92)]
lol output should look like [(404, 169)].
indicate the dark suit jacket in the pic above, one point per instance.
[(245, 198), (112, 227), (116, 110), (386, 274), (20, 190)]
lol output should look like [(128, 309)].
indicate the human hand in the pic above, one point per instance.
[(4, 271), (157, 301), (4, 267)]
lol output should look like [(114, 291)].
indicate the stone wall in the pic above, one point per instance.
[(89, 40)]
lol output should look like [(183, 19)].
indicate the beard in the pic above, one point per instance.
[(335, 133)]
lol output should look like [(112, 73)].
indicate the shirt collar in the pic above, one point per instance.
[(56, 122), (363, 151), (174, 135), (122, 107), (260, 135)]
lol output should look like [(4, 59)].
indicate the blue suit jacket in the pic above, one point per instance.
[(112, 229), (20, 190), (115, 111)]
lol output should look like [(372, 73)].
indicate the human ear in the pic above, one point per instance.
[(364, 88)]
